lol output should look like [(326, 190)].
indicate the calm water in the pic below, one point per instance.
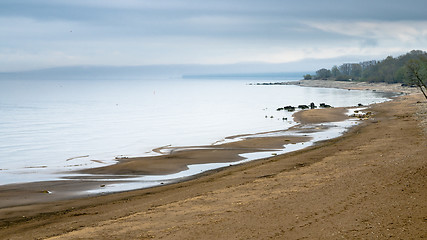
[(45, 125)]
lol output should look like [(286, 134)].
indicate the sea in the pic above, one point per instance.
[(50, 128)]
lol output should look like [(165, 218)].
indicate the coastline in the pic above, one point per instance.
[(349, 85), (235, 172), (134, 133), (174, 164), (128, 171)]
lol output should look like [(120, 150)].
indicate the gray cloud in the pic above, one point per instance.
[(41, 33), (369, 43), (108, 9)]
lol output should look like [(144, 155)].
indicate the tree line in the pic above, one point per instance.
[(410, 68), (389, 70)]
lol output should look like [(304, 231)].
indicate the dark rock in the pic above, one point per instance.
[(312, 106), (324, 105), (289, 108)]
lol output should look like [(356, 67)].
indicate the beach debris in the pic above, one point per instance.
[(303, 107), (289, 108), (103, 185), (36, 167), (360, 105), (324, 105), (120, 157), (75, 165), (284, 119), (85, 156), (361, 115), (312, 106), (46, 191)]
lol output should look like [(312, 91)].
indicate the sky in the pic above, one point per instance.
[(37, 34)]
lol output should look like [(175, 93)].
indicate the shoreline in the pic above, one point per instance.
[(50, 160), (60, 215), (360, 185), (96, 181), (126, 174), (350, 85)]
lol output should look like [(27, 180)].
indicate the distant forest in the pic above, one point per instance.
[(389, 70)]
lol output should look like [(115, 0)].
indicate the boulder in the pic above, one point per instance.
[(312, 106), (289, 108)]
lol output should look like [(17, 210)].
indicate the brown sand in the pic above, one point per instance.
[(368, 184), (175, 161), (321, 115), (380, 87), (180, 158)]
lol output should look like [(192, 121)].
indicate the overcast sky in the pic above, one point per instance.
[(48, 33)]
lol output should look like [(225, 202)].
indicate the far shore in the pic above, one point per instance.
[(363, 184), (353, 85)]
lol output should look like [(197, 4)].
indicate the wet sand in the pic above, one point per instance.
[(180, 157), (369, 183), (315, 116), (176, 159)]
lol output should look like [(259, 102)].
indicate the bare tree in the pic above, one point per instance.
[(417, 73)]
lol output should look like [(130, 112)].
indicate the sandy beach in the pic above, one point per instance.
[(369, 183), (381, 87)]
